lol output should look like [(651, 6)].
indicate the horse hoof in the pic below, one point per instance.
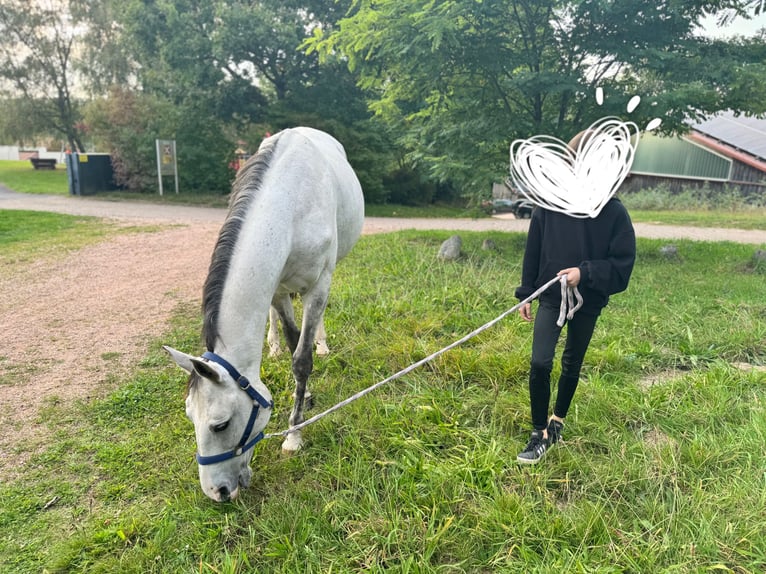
[(322, 350), (292, 444)]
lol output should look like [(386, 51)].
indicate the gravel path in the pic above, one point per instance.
[(149, 212), (73, 326)]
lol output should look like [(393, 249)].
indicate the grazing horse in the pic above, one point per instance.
[(296, 209)]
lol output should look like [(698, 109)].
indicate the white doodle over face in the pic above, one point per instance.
[(578, 182)]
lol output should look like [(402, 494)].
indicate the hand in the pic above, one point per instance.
[(526, 311), (573, 275)]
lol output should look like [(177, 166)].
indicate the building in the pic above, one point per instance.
[(726, 151)]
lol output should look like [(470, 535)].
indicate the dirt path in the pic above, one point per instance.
[(73, 326)]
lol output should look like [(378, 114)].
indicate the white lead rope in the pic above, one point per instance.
[(566, 310)]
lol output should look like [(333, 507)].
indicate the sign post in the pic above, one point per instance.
[(166, 161)]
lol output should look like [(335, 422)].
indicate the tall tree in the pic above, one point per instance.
[(37, 48), (259, 42), (460, 79)]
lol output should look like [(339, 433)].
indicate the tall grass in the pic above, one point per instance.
[(666, 476), (693, 198), (702, 207)]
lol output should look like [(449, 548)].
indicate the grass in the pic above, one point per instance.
[(26, 236), (420, 475), (431, 211), (700, 207), (754, 218), (22, 177)]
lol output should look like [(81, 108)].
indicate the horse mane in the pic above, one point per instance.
[(247, 183)]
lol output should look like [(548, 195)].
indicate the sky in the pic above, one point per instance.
[(740, 26)]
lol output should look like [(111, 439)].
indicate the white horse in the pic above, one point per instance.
[(296, 209)]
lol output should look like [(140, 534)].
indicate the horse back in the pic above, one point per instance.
[(312, 188)]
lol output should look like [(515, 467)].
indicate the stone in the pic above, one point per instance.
[(450, 249), (489, 245), (669, 251)]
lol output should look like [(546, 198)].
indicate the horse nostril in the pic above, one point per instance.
[(223, 494)]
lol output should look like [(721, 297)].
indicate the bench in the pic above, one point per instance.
[(43, 163)]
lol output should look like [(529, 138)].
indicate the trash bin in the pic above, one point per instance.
[(90, 173)]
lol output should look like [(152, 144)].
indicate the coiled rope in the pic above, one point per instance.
[(566, 311)]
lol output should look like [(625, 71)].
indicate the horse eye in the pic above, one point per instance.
[(221, 427)]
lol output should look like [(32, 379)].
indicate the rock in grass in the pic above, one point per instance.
[(758, 262), (489, 245), (450, 249), (669, 251)]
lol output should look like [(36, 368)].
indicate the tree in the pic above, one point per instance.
[(37, 44), (127, 123), (19, 122), (458, 80), (241, 62)]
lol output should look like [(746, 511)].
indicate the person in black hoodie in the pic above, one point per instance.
[(597, 256)]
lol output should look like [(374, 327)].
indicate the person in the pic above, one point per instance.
[(597, 256)]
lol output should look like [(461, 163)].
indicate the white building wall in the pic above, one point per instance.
[(9, 152)]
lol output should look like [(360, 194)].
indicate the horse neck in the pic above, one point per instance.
[(241, 335)]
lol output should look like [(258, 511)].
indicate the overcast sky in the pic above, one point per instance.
[(740, 26)]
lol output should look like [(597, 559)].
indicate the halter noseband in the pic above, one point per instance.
[(258, 401)]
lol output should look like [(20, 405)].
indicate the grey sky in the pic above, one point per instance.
[(740, 26)]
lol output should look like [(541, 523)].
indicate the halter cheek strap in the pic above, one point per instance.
[(258, 401)]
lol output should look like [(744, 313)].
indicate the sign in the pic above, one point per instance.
[(166, 161)]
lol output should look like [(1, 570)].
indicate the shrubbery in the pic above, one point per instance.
[(127, 123), (704, 197)]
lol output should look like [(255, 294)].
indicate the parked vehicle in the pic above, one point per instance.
[(502, 205), (522, 208)]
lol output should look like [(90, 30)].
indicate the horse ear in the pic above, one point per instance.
[(206, 370), (181, 359)]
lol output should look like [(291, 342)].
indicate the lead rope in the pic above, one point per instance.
[(566, 310), (568, 307)]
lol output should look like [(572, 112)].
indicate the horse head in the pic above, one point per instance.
[(227, 421)]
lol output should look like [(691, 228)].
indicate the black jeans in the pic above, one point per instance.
[(546, 336)]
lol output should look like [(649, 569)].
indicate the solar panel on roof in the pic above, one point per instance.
[(745, 133)]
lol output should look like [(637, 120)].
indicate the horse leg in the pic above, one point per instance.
[(282, 307), (273, 336), (321, 339), (314, 304)]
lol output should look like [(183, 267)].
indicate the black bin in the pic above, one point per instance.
[(90, 173)]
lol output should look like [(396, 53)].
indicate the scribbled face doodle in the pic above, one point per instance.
[(578, 182)]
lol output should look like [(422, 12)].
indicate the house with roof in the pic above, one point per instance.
[(725, 151)]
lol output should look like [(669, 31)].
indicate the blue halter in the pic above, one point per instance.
[(258, 401)]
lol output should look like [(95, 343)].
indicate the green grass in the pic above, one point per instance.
[(431, 211), (700, 207), (29, 235), (420, 475), (754, 218), (22, 177)]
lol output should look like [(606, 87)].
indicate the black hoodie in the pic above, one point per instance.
[(604, 249)]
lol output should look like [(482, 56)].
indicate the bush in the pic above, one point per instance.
[(127, 123), (661, 198)]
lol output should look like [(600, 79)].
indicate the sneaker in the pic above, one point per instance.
[(535, 449), (555, 429)]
